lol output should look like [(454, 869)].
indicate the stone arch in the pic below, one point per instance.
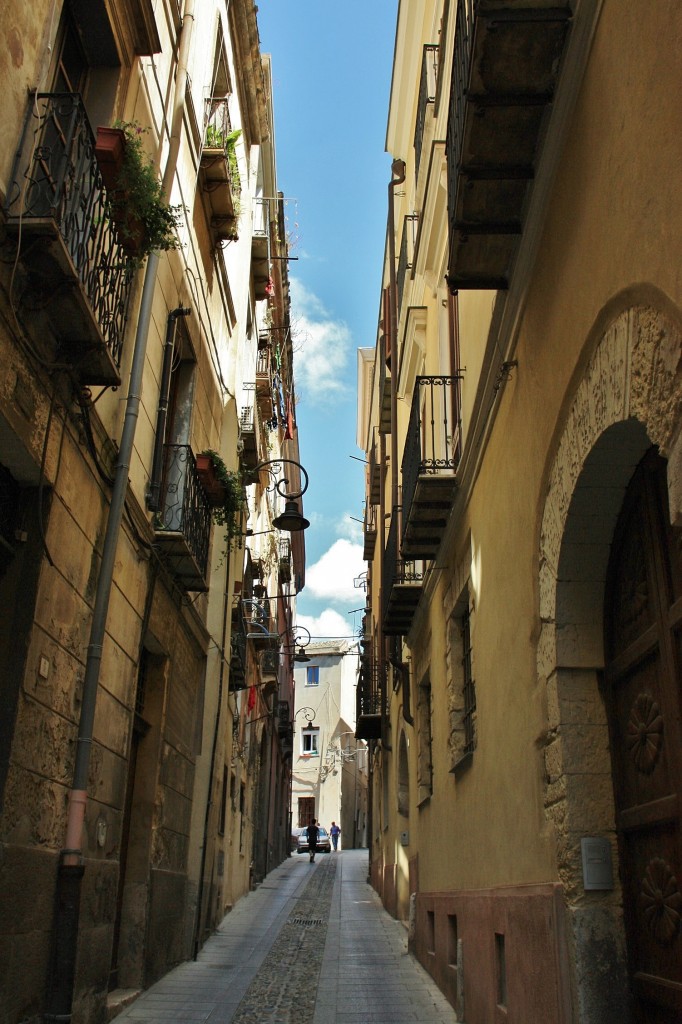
[(628, 397)]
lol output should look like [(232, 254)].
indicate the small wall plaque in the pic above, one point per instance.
[(597, 863)]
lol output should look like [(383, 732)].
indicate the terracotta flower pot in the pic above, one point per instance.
[(213, 488), (109, 151)]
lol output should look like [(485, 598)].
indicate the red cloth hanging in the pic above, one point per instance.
[(252, 699)]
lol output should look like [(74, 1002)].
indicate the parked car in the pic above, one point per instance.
[(324, 843), (295, 833)]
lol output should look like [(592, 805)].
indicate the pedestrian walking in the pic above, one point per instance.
[(335, 832), (313, 832)]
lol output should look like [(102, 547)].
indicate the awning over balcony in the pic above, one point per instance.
[(505, 72)]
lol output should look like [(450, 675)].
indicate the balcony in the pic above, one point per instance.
[(430, 460), (402, 582), (369, 533), (384, 388), (251, 430), (375, 471), (284, 723), (285, 728), (269, 664), (264, 383), (237, 650), (285, 560), (259, 627), (504, 75), (260, 249), (219, 174), (183, 524), (71, 261), (370, 700), (427, 96)]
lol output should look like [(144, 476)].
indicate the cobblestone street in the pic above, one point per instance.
[(311, 945)]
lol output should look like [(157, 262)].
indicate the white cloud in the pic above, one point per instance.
[(323, 346), (332, 576), (327, 624), (349, 528)]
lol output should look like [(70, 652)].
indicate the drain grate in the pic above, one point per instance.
[(307, 922)]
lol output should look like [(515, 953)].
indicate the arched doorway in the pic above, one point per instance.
[(643, 637), (626, 398)]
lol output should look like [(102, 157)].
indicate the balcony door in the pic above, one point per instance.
[(643, 619), (70, 67), (178, 427)]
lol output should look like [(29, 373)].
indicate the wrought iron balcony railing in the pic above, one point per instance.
[(401, 584), (370, 699), (260, 248), (218, 123), (370, 532), (285, 560), (284, 723), (251, 429), (56, 194), (238, 649), (427, 96), (430, 460), (183, 524), (219, 171)]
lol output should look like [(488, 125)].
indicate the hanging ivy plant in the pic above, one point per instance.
[(146, 221), (229, 509)]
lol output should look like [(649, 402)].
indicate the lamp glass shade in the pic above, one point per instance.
[(291, 519)]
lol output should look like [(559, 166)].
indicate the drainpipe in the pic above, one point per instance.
[(71, 868), (214, 750), (154, 498), (397, 178)]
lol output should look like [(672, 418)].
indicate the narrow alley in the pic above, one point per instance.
[(311, 945)]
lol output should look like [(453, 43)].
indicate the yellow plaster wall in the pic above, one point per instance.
[(613, 224)]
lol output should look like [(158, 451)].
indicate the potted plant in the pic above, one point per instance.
[(135, 198), (228, 496)]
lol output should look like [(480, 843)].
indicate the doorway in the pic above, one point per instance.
[(643, 634)]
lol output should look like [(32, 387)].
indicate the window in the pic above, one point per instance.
[(306, 810), (310, 742), (461, 686), (312, 675)]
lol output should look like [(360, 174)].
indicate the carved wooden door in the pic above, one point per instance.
[(643, 619)]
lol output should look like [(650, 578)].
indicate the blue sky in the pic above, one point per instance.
[(331, 66)]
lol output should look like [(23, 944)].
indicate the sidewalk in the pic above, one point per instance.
[(311, 945)]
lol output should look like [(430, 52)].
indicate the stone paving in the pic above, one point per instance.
[(311, 945)]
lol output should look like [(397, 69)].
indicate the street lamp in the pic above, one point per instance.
[(291, 519), (308, 713), (301, 641)]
